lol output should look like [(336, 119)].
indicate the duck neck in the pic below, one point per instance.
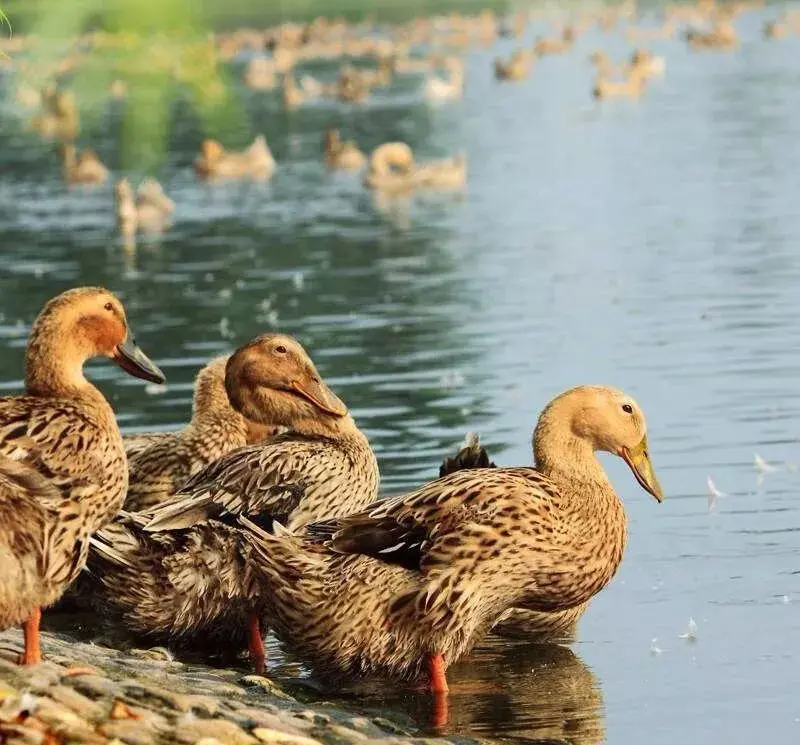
[(590, 502), (336, 428), (68, 159), (56, 375)]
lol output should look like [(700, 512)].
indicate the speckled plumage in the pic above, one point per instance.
[(518, 623), (425, 574), (62, 462), (185, 574), (160, 462)]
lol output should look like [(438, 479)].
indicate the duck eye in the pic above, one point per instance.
[(108, 306), (627, 408), (280, 349)]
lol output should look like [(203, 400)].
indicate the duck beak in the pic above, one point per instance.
[(135, 362), (317, 393), (638, 460)]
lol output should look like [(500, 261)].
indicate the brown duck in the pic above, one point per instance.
[(161, 462), (410, 584), (181, 572), (517, 623), (62, 462)]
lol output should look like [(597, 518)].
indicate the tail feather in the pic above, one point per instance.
[(471, 455)]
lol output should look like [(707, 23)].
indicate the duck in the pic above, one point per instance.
[(343, 154), (179, 572), (59, 117), (640, 33), (647, 64), (722, 36), (445, 173), (446, 89), (407, 586), (82, 168), (778, 29), (148, 210), (604, 65), (161, 462), (293, 95), (517, 623), (352, 86), (215, 163), (392, 169), (62, 461), (631, 86), (564, 43), (517, 67)]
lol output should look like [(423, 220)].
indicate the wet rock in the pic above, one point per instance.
[(189, 731), (20, 735), (347, 734), (130, 731), (142, 701), (77, 702), (66, 724), (265, 684), (153, 695), (276, 737), (94, 686)]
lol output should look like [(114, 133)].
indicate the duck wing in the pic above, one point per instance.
[(38, 433), (429, 525), (266, 480)]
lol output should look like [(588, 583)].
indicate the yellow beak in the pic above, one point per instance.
[(638, 460)]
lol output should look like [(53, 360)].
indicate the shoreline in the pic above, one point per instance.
[(94, 694)]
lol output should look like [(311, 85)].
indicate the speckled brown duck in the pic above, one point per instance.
[(516, 623), (62, 462), (181, 572), (410, 584), (159, 463)]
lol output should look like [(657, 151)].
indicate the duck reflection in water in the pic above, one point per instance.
[(540, 693), (535, 693)]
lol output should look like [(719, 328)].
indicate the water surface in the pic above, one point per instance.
[(650, 245)]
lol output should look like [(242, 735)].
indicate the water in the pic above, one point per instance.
[(649, 245)]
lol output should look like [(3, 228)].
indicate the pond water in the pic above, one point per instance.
[(649, 244)]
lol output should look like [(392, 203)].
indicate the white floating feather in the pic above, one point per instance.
[(762, 466), (713, 494), (691, 632)]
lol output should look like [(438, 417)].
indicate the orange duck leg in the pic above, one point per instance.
[(33, 652)]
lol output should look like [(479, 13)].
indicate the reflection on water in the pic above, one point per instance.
[(651, 245), (537, 693)]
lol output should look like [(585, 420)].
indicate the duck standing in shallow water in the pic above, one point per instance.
[(538, 626), (161, 462), (407, 587), (62, 463), (181, 572)]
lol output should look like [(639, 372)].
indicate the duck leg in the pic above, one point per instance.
[(255, 643), (439, 689), (436, 668), (33, 652)]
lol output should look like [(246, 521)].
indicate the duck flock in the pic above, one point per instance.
[(262, 513), (369, 57)]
